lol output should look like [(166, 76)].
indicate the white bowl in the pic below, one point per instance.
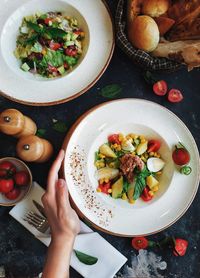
[(118, 217), (24, 87), (20, 166)]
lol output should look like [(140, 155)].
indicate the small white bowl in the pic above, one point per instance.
[(20, 166)]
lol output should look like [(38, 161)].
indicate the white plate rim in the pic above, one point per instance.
[(67, 140), (89, 86)]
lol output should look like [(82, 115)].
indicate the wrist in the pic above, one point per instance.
[(63, 241)]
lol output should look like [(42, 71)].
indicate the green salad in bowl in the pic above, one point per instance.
[(49, 44)]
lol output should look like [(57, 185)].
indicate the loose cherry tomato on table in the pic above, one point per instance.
[(180, 247), (145, 195), (54, 45), (7, 168), (160, 88), (139, 243), (13, 194), (180, 155), (105, 187), (114, 139), (175, 95), (21, 178), (153, 145), (6, 185), (71, 51)]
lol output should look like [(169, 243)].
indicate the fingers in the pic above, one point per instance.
[(53, 173), (62, 195)]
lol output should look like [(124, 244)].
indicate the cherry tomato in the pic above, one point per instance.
[(146, 197), (21, 178), (180, 247), (153, 145), (139, 243), (71, 51), (7, 168), (160, 88), (79, 32), (180, 155), (47, 20), (13, 194), (6, 185), (104, 187), (175, 95), (54, 45), (114, 139), (3, 173)]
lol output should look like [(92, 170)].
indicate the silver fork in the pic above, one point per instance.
[(37, 221)]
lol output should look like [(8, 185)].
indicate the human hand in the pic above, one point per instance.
[(63, 220)]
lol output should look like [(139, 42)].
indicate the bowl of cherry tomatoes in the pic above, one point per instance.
[(15, 181)]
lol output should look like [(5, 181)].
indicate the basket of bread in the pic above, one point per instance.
[(160, 34)]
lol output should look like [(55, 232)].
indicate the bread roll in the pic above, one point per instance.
[(155, 8), (143, 33)]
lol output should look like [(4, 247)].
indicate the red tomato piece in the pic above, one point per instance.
[(104, 187), (139, 243), (54, 45), (153, 145), (7, 167), (13, 194), (114, 139), (52, 69), (3, 173), (71, 51), (6, 185), (181, 156), (47, 20), (160, 88), (146, 197), (21, 178), (180, 247), (175, 95)]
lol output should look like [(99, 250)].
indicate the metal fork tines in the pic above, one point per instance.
[(37, 221)]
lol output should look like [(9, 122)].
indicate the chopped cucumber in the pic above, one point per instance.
[(25, 67), (61, 70)]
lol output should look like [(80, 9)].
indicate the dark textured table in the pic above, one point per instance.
[(23, 255)]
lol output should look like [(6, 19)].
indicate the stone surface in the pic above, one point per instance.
[(23, 255)]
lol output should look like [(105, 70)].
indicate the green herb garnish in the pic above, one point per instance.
[(60, 127), (186, 170), (111, 91), (86, 259), (140, 182)]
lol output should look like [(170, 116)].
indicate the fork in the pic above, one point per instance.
[(37, 221)]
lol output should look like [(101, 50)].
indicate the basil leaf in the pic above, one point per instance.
[(34, 26), (125, 186), (41, 132), (111, 91), (60, 127), (86, 259), (149, 78), (55, 32), (140, 182)]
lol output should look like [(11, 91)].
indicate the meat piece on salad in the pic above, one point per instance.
[(128, 164)]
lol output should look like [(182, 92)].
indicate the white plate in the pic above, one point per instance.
[(117, 216), (23, 87)]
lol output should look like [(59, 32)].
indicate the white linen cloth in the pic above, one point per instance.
[(110, 260)]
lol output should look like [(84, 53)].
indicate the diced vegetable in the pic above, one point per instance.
[(107, 151), (25, 67), (117, 188), (107, 173), (151, 182), (141, 148)]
